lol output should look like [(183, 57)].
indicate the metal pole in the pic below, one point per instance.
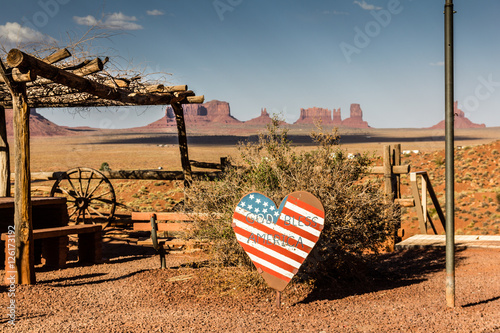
[(450, 158)]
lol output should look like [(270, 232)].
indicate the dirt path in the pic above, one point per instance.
[(129, 293)]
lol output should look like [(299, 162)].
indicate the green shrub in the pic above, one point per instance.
[(439, 160), (104, 167), (358, 218)]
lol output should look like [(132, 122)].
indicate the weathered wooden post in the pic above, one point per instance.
[(25, 259), (183, 146), (388, 188), (4, 157)]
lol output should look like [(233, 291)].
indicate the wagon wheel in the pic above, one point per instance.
[(89, 194)]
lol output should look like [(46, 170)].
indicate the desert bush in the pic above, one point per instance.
[(104, 167), (358, 217), (439, 161)]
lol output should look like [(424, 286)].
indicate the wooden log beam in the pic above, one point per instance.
[(205, 165), (77, 66), (117, 82), (4, 157), (94, 66), (194, 100), (17, 76), (21, 60), (154, 88), (57, 56), (133, 174), (183, 87)]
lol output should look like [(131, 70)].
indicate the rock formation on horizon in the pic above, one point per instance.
[(314, 114), (39, 125), (356, 118), (461, 121), (263, 119), (328, 117), (210, 112)]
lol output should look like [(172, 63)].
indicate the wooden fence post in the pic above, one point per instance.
[(4, 157), (25, 259), (388, 189), (183, 146)]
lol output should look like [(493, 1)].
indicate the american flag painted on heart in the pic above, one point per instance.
[(278, 240)]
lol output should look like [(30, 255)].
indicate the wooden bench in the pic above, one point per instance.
[(47, 212), (169, 230), (55, 244)]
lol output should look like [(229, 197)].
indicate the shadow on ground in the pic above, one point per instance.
[(232, 140), (384, 272)]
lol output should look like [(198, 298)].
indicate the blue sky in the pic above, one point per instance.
[(285, 55)]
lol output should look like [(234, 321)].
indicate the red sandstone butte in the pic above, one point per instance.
[(356, 118), (39, 125), (263, 119), (312, 115), (210, 112), (461, 121), (327, 117)]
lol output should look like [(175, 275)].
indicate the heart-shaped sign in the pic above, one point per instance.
[(278, 240)]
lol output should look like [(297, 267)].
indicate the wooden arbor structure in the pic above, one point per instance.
[(28, 81)]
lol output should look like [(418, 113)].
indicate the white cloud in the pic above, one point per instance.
[(367, 6), (86, 20), (334, 12), (439, 63), (114, 21), (12, 33), (155, 12)]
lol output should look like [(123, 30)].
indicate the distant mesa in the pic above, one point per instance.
[(329, 117), (39, 125), (210, 112), (461, 121)]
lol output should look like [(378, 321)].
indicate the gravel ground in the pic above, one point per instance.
[(129, 293)]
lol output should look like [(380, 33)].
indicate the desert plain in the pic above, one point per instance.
[(128, 292)]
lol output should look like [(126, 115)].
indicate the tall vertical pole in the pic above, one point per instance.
[(450, 155)]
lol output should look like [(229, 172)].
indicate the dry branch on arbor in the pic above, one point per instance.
[(84, 84)]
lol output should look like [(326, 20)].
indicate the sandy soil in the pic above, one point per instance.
[(403, 292)]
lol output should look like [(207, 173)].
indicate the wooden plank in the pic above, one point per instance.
[(170, 227), (435, 201), (396, 169), (405, 202), (35, 201), (418, 204), (63, 231), (161, 216)]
